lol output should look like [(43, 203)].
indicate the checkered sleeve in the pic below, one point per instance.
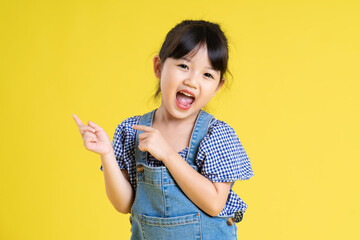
[(122, 142), (221, 156)]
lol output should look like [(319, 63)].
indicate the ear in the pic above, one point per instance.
[(222, 81), (157, 66)]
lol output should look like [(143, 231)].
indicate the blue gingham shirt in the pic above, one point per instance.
[(220, 158)]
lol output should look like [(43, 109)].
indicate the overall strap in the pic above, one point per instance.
[(199, 132), (147, 120)]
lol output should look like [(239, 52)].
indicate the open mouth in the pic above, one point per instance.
[(184, 99)]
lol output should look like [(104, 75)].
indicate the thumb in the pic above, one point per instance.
[(95, 126)]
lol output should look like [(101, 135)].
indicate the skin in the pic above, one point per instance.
[(192, 74), (117, 182), (169, 134)]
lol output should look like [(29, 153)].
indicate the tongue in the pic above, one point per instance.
[(184, 100)]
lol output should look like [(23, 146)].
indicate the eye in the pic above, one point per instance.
[(209, 75), (182, 65)]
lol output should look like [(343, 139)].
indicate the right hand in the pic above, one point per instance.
[(94, 137)]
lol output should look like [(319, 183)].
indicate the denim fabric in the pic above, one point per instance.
[(161, 210)]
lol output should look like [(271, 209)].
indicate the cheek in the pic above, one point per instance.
[(210, 89), (209, 94), (168, 82), (165, 87)]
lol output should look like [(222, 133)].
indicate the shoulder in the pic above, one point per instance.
[(124, 129), (220, 138), (218, 128), (128, 123)]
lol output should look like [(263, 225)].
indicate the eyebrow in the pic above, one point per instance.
[(187, 59)]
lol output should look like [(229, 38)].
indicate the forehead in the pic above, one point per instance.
[(198, 52), (199, 55)]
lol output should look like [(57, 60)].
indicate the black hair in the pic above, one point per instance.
[(190, 35)]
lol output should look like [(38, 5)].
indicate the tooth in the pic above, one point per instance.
[(187, 94)]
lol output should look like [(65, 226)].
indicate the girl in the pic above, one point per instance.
[(173, 168)]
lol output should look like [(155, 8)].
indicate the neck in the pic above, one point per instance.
[(163, 116)]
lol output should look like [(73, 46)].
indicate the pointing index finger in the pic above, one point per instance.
[(142, 127), (77, 120)]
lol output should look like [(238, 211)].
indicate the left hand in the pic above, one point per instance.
[(151, 140)]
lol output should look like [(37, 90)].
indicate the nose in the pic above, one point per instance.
[(192, 81)]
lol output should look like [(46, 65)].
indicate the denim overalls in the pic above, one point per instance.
[(161, 210)]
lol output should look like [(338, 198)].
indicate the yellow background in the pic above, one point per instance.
[(294, 103)]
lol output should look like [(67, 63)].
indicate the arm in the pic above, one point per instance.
[(210, 197), (117, 184)]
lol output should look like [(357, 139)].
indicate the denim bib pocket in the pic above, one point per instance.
[(180, 227)]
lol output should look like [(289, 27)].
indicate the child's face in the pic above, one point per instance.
[(194, 75)]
